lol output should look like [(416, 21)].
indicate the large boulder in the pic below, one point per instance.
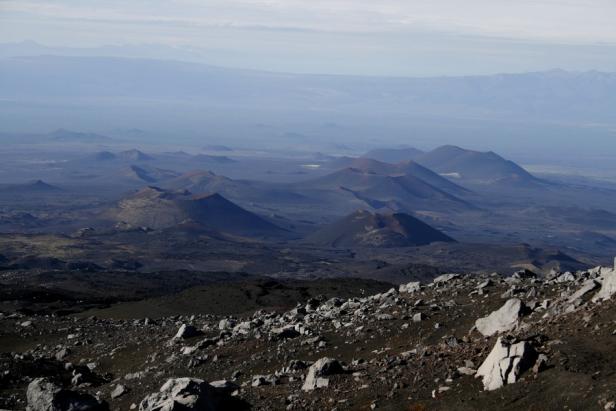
[(505, 363), (179, 394), (587, 287), (504, 319), (319, 370), (186, 331), (44, 395), (608, 286)]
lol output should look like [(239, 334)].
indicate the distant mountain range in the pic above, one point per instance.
[(117, 92), (365, 229), (455, 163), (404, 167), (548, 95), (59, 136), (394, 192), (78, 137)]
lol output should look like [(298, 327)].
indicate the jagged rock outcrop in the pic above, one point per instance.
[(505, 363), (608, 287)]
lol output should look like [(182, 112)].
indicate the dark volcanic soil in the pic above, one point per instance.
[(391, 360)]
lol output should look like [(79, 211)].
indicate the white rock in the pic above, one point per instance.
[(484, 284), (181, 393), (319, 370), (445, 278), (564, 278), (467, 371), (588, 286), (419, 317), (62, 354), (608, 287), (189, 350), (118, 391), (410, 287), (43, 395), (504, 319), (186, 331), (504, 364), (242, 328)]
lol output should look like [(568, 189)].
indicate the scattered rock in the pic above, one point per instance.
[(541, 363), (118, 391), (62, 354)]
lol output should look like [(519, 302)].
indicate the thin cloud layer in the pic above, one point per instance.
[(391, 37), (572, 21)]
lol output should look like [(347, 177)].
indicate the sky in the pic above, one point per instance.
[(367, 37)]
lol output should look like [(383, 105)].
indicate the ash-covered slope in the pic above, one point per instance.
[(159, 209), (364, 229)]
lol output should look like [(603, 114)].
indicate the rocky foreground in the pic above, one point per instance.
[(460, 342)]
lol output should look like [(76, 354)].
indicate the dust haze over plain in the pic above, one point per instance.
[(129, 69)]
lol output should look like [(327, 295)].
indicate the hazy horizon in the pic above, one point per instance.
[(534, 80), (391, 38), (31, 48)]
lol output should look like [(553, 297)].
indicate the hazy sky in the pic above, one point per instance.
[(395, 37)]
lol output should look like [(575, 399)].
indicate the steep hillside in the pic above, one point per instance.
[(410, 192), (158, 209), (364, 229)]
